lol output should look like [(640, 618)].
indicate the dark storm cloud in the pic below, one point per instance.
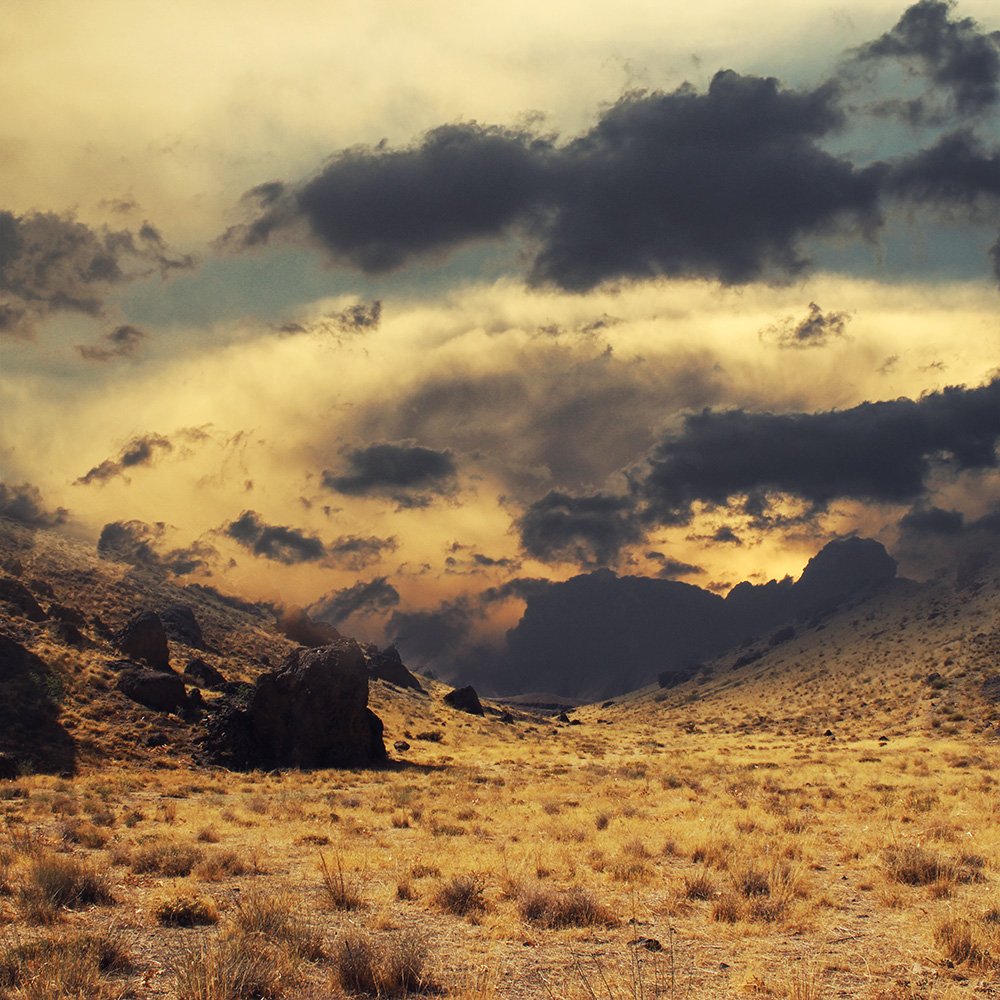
[(816, 329), (520, 588), (724, 184), (273, 541), (932, 520), (122, 342), (25, 505), (882, 452), (357, 551), (953, 52), (139, 451), (433, 635), (958, 170), (588, 530), (53, 263), (376, 208), (672, 568), (366, 597), (406, 472), (139, 544)]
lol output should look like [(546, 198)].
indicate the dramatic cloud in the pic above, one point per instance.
[(139, 543), (881, 452), (355, 551), (122, 342), (672, 568), (430, 637), (817, 329), (520, 588), (138, 452), (368, 597), (933, 521), (953, 52), (24, 504), (588, 530), (51, 263), (376, 208), (724, 184), (405, 472), (273, 541)]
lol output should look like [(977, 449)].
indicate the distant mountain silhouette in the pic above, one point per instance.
[(600, 634)]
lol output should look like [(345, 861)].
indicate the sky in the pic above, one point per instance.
[(395, 312)]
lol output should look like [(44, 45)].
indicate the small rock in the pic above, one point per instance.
[(650, 944), (563, 717), (829, 732), (506, 718), (68, 634), (401, 746)]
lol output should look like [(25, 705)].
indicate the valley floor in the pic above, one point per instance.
[(608, 859)]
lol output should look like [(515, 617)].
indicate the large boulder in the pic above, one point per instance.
[(310, 712), (144, 638), (155, 689), (387, 665), (464, 699), (181, 625), (16, 594)]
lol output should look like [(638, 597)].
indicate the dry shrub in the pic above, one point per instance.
[(728, 908), (751, 882), (166, 857), (219, 865), (339, 891), (64, 966), (699, 886), (187, 910), (231, 968), (574, 907), (966, 942), (54, 882), (462, 895), (277, 919), (85, 833), (382, 966)]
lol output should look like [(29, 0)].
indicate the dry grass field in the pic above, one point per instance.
[(705, 841)]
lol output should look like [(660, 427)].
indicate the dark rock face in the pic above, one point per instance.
[(311, 712), (387, 665), (155, 689), (17, 595), (68, 634), (9, 768), (465, 700), (842, 569), (204, 674), (181, 625), (144, 638)]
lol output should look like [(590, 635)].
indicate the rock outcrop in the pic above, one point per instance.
[(17, 595), (181, 625), (311, 712), (204, 674), (464, 699), (144, 638), (387, 665)]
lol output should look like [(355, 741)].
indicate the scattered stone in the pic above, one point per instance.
[(204, 674), (68, 634), (387, 665), (607, 704), (155, 689), (311, 712), (464, 699), (563, 717), (506, 718), (650, 944), (829, 732), (18, 596), (144, 638), (401, 746), (575, 722), (181, 625)]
